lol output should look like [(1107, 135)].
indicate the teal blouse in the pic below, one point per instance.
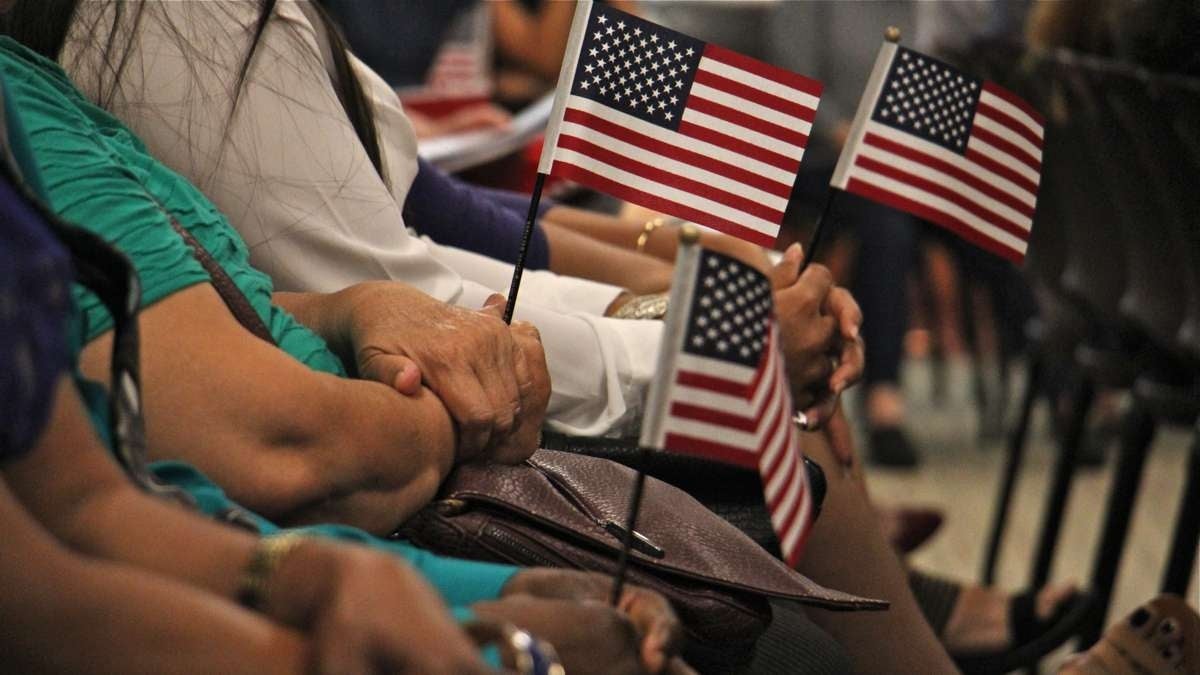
[(95, 173)]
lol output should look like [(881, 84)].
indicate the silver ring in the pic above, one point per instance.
[(801, 421)]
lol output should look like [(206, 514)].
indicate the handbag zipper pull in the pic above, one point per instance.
[(640, 541)]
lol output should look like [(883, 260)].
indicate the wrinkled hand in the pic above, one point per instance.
[(533, 389), (367, 613), (491, 378), (819, 327), (640, 636)]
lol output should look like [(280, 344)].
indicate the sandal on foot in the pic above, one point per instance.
[(1162, 637), (1033, 638)]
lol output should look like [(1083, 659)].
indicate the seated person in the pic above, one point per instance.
[(322, 607), (319, 217), (162, 114), (269, 428)]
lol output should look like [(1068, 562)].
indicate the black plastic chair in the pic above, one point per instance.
[(1052, 334), (1132, 228), (1139, 172), (1094, 277)]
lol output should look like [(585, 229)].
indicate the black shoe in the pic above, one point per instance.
[(890, 447)]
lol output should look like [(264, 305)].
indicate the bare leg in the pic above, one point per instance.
[(847, 551)]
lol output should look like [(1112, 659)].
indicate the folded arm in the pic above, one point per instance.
[(285, 441)]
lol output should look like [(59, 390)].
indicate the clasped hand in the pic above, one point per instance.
[(491, 377), (819, 330)]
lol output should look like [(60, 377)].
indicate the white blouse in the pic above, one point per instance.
[(288, 170)]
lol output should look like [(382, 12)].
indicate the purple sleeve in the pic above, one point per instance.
[(482, 220), (35, 292)]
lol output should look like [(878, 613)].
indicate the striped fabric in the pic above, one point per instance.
[(723, 393), (677, 125), (947, 147)]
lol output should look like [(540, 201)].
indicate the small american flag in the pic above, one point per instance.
[(723, 392), (666, 121), (947, 147)]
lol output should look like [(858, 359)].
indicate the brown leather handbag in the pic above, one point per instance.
[(560, 509)]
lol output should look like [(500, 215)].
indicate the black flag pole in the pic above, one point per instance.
[(811, 251), (519, 268), (635, 505), (891, 34), (685, 269)]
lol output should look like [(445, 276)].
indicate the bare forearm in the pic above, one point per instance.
[(661, 243), (119, 620), (534, 40), (578, 255), (116, 620), (407, 447), (276, 435)]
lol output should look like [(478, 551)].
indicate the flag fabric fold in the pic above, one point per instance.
[(948, 147), (691, 129), (723, 392)]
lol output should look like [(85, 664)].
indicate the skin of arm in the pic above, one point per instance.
[(116, 619), (287, 442), (491, 377), (536, 40), (345, 596), (662, 242), (578, 255)]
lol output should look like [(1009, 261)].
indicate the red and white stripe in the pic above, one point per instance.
[(730, 166), (986, 197), (740, 415)]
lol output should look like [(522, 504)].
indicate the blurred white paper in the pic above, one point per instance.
[(457, 152)]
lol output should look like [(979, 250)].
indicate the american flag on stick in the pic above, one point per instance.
[(723, 393), (677, 125), (948, 147)]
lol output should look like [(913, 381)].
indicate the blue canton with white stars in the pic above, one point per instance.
[(929, 99), (731, 311), (636, 66)]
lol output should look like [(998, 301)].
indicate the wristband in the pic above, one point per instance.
[(270, 552)]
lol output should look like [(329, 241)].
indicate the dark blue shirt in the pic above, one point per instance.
[(35, 300), (484, 220)]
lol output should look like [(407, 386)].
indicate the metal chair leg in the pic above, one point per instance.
[(1060, 488), (1137, 432), (1015, 457), (1182, 562)]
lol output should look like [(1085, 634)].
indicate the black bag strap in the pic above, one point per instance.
[(104, 270)]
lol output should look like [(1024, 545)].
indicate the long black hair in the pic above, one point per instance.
[(43, 26)]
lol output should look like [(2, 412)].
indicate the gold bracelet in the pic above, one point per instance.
[(647, 229), (270, 552)]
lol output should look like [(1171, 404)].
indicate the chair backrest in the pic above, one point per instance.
[(1047, 254), (1181, 96), (1095, 270), (1138, 167)]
